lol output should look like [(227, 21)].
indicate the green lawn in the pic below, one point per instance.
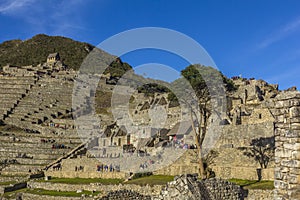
[(152, 180), (8, 182), (13, 175), (60, 193), (252, 184), (83, 180)]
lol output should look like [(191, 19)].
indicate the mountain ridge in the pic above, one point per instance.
[(35, 50)]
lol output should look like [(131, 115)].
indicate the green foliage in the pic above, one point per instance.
[(83, 180), (39, 191), (253, 184), (117, 68), (173, 100), (141, 174), (199, 75), (151, 88), (35, 51), (103, 99), (152, 180), (192, 74), (8, 182)]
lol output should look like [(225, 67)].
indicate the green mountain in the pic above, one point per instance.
[(35, 50)]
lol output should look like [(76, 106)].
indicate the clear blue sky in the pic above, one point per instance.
[(254, 38)]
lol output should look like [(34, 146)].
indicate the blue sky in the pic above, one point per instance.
[(252, 38)]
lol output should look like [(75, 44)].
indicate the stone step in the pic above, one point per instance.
[(30, 150), (22, 168), (14, 96), (12, 91), (14, 86)]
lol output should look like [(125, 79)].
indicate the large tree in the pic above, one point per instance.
[(206, 82)]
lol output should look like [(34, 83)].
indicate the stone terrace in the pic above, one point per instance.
[(31, 152), (31, 103), (50, 98), (12, 90)]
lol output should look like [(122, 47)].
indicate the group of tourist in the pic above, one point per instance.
[(47, 140), (59, 146), (57, 167), (79, 168), (180, 144), (146, 164), (107, 168), (23, 155)]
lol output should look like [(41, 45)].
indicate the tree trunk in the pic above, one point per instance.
[(202, 173), (199, 137)]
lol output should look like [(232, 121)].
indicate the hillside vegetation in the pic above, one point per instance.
[(35, 50)]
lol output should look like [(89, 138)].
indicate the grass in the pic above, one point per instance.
[(60, 193), (8, 182), (13, 175), (254, 184), (39, 191), (152, 180), (11, 194), (83, 180)]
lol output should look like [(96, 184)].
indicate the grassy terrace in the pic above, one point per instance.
[(252, 184), (152, 180), (83, 180), (39, 191), (60, 193), (7, 183)]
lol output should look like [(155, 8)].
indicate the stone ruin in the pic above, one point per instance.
[(37, 100), (287, 140), (125, 194), (188, 187)]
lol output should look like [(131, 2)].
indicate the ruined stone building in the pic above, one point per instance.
[(42, 104)]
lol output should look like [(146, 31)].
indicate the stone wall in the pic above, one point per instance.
[(125, 194), (248, 173), (187, 187), (260, 194), (187, 163), (230, 162), (89, 169), (287, 154), (72, 174), (14, 187), (28, 196), (241, 135), (144, 190)]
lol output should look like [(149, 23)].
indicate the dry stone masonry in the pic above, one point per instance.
[(125, 194), (37, 104), (186, 187), (287, 154)]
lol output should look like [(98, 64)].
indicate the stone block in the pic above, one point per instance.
[(294, 179), (291, 163), (281, 104), (278, 175), (295, 171), (295, 155), (294, 112), (283, 153), (280, 184), (294, 133), (295, 147)]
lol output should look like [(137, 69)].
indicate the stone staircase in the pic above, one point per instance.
[(48, 99), (30, 104), (12, 90), (30, 151)]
